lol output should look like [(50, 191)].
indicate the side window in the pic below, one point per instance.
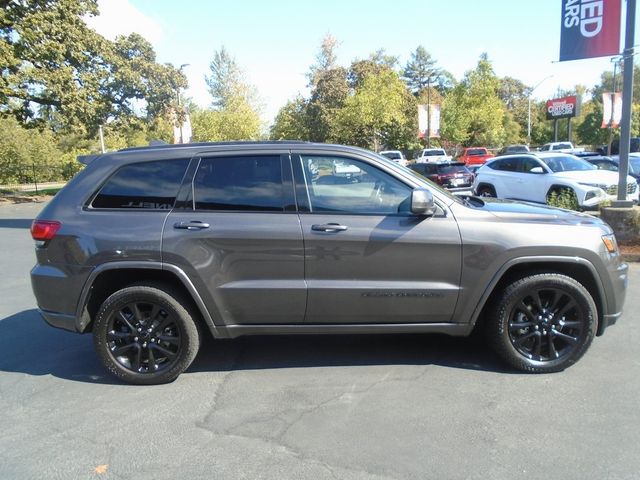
[(251, 183), (346, 185), (505, 165), (145, 185), (528, 164)]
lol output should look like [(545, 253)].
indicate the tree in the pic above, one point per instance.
[(329, 90), (420, 70), (235, 113), (57, 71), (291, 121), (325, 58), (373, 115), (473, 113)]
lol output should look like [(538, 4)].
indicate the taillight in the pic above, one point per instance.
[(44, 230)]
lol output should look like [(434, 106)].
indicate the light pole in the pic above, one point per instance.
[(529, 115), (616, 61), (179, 110)]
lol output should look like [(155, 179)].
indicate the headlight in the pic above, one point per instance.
[(592, 194), (610, 243)]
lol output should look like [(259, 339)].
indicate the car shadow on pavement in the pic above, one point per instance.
[(301, 351), (30, 346), (15, 222)]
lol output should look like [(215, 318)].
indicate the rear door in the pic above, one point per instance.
[(367, 258), (238, 236)]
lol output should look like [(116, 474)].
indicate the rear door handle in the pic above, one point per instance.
[(329, 227), (194, 225)]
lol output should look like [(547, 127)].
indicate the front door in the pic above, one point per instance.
[(238, 236), (367, 258)]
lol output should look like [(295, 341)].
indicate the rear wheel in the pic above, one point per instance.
[(543, 323), (143, 334), (486, 191)]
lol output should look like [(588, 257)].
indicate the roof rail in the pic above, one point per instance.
[(214, 144)]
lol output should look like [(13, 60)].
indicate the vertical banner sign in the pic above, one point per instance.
[(612, 109), (424, 124), (590, 28)]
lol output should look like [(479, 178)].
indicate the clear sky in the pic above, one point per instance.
[(276, 41)]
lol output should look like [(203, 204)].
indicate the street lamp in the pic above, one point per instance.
[(529, 117), (179, 111)]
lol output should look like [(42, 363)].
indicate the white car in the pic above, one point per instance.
[(396, 156), (433, 155), (564, 147), (535, 177)]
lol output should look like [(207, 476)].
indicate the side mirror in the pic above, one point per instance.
[(536, 170), (422, 202)]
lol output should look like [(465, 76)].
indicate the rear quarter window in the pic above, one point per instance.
[(144, 185)]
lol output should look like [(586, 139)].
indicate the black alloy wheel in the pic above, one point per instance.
[(542, 323), (143, 337), (146, 334), (546, 325)]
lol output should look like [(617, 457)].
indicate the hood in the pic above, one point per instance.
[(533, 212), (596, 177)]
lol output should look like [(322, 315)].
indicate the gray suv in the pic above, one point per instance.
[(150, 248)]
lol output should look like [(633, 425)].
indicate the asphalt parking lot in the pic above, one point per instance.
[(353, 407)]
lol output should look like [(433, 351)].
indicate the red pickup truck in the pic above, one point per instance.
[(475, 156)]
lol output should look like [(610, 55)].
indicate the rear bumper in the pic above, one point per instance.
[(59, 320)]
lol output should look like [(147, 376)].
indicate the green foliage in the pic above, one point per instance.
[(59, 72), (421, 72), (375, 113), (291, 121), (565, 198), (25, 153)]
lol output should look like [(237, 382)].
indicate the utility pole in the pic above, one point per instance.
[(179, 109), (615, 61), (429, 111), (627, 98), (529, 115), (101, 138)]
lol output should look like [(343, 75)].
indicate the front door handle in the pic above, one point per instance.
[(193, 225), (329, 227)]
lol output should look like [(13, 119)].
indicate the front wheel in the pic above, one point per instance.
[(543, 323), (144, 335)]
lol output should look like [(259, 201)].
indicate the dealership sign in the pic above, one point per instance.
[(429, 119), (565, 107), (590, 28)]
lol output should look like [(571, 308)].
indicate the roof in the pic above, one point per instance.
[(216, 144)]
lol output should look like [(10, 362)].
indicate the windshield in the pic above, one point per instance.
[(634, 163), (392, 155), (567, 163), (431, 153), (477, 151)]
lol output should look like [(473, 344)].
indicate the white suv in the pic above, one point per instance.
[(535, 178)]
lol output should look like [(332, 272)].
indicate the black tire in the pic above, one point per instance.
[(146, 334), (542, 323), (486, 191)]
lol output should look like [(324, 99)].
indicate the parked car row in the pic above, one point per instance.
[(537, 177)]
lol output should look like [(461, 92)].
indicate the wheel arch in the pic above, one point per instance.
[(577, 268), (110, 277), (558, 186), (488, 185)]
